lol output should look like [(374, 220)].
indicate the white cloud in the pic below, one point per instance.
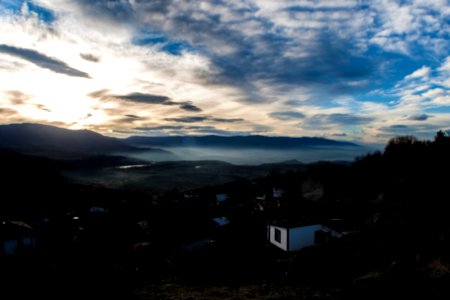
[(248, 58), (420, 73)]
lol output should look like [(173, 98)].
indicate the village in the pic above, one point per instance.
[(237, 232), (349, 230)]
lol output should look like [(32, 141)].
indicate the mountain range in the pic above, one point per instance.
[(251, 141), (50, 140), (46, 140)]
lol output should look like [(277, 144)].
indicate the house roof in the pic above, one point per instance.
[(10, 230), (334, 224), (299, 221), (221, 221), (221, 197)]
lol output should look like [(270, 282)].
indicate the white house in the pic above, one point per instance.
[(294, 238)]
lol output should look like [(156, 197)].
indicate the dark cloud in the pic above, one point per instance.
[(214, 131), (128, 132), (188, 119), (223, 120), (196, 119), (201, 130), (287, 115), (327, 63), (107, 10), (87, 116), (346, 119), (42, 60), (326, 56), (339, 134), (190, 107), (159, 128), (134, 117), (397, 129), (322, 121), (420, 117), (420, 130), (42, 107), (145, 98), (90, 57)]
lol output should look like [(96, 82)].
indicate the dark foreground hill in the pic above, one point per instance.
[(51, 141)]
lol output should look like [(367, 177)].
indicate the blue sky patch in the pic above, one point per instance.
[(16, 7)]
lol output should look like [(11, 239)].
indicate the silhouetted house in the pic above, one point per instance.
[(16, 239), (267, 205), (195, 246), (190, 195), (261, 197), (221, 221), (277, 193), (97, 210), (221, 198), (290, 237)]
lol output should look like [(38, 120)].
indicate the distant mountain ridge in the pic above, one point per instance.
[(51, 140), (251, 141)]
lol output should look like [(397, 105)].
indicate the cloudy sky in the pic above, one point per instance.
[(351, 70)]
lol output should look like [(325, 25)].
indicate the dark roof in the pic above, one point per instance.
[(335, 224), (295, 223), (10, 230)]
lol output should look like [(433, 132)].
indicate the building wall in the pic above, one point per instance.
[(10, 247), (284, 237), (301, 237), (16, 247)]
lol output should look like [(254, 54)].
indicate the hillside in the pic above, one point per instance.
[(53, 141)]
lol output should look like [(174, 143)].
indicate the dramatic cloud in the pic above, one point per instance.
[(187, 119), (421, 117), (133, 117), (339, 134), (90, 57), (42, 60), (287, 115), (341, 119), (196, 119), (159, 128), (143, 98), (352, 68), (224, 120), (190, 107)]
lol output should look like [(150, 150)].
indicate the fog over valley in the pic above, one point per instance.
[(251, 156)]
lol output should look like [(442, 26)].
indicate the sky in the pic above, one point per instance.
[(343, 69)]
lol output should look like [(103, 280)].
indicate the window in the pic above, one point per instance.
[(278, 235)]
